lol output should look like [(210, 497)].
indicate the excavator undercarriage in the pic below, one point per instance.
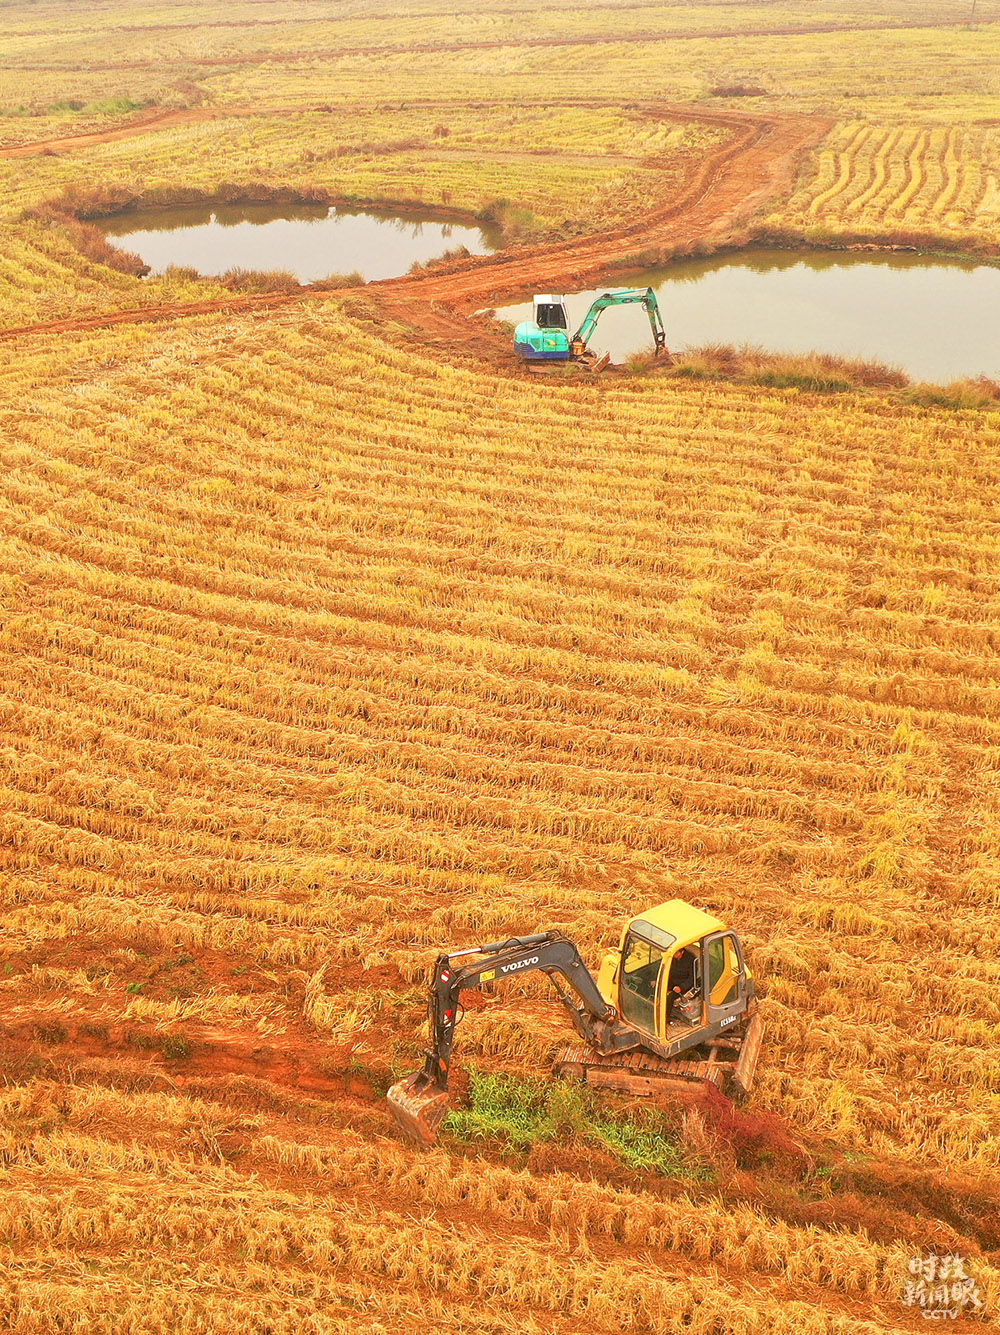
[(728, 1063)]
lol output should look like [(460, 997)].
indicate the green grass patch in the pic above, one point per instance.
[(502, 1106), (525, 1112), (75, 106), (513, 219), (114, 106), (175, 1047), (641, 1146), (819, 384)]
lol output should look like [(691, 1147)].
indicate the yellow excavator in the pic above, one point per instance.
[(677, 984)]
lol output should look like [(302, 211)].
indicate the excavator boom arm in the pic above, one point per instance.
[(550, 952), (420, 1101), (625, 297)]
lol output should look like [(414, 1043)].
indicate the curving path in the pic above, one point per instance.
[(730, 187), (157, 119), (759, 160)]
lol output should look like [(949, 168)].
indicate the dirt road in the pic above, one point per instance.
[(158, 119), (759, 160)]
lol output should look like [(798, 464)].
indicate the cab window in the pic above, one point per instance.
[(716, 962), (641, 965), (551, 316), (723, 971)]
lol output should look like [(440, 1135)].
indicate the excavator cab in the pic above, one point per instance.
[(678, 969), (545, 337)]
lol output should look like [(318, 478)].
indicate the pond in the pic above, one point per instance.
[(311, 241), (937, 320)]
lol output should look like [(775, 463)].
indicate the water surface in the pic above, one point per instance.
[(938, 320), (311, 241)]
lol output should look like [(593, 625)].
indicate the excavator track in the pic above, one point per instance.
[(730, 1065), (640, 1073)]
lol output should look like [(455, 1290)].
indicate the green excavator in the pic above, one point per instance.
[(546, 337)]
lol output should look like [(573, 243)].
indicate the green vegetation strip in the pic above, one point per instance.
[(526, 1112)]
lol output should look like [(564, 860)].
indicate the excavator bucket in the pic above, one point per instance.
[(417, 1112)]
